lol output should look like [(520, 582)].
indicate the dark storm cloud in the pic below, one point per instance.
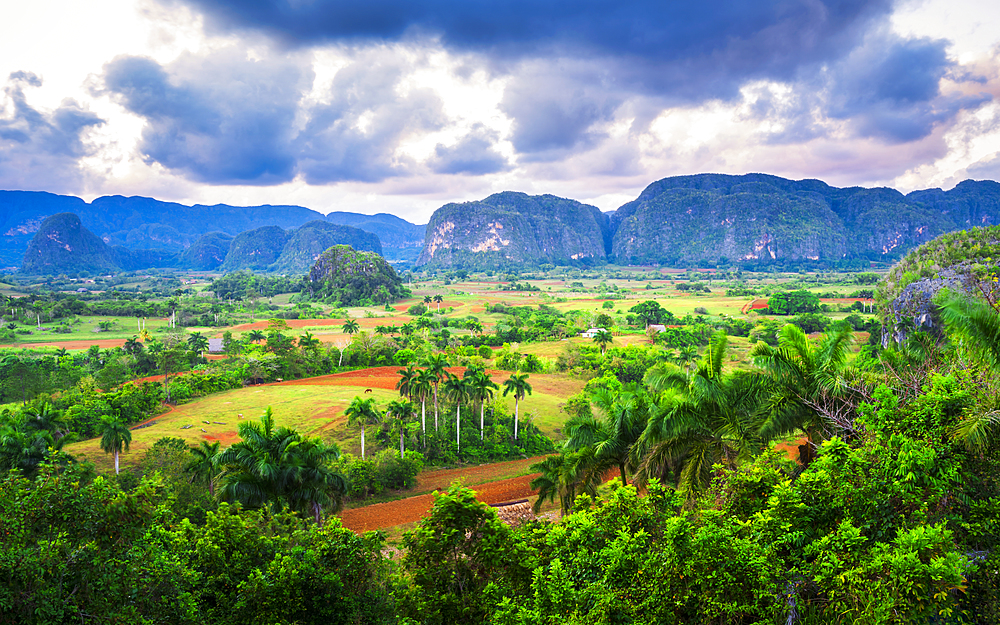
[(691, 50), (218, 119), (225, 119), (555, 108), (40, 149), (473, 154), (890, 88)]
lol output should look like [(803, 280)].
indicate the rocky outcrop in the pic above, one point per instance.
[(515, 230)]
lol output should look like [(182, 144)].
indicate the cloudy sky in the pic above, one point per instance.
[(401, 105)]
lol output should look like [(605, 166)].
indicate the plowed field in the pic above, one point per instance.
[(373, 377)]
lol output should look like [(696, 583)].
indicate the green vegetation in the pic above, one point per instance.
[(701, 475), (345, 277)]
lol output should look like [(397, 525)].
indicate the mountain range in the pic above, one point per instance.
[(141, 223), (698, 220), (706, 219)]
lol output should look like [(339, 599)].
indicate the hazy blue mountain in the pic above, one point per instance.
[(147, 223)]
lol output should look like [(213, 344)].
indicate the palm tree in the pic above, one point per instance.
[(482, 390), (457, 390), (438, 299), (428, 299), (613, 438), (47, 418), (203, 464), (351, 326), (603, 338), (402, 410), (516, 384), (687, 355), (567, 475), (256, 336), (363, 412), (24, 446), (407, 378), (807, 382), (115, 437), (277, 466), (703, 418), (308, 343), (423, 385), (436, 364), (197, 343), (975, 323)]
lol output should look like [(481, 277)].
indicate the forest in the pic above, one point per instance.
[(804, 461)]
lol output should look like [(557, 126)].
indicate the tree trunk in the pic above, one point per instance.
[(400, 441), (435, 407), (317, 513), (482, 421), (116, 462), (621, 467), (515, 417), (458, 426), (362, 442)]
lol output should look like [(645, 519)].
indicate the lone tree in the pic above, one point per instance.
[(351, 326), (603, 338), (363, 412), (115, 437), (516, 384)]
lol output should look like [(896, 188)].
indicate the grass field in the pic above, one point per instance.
[(314, 407)]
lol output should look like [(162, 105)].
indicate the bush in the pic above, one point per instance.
[(417, 309), (397, 473), (485, 352)]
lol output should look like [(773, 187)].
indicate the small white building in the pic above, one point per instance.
[(591, 333), (657, 327), (215, 346)]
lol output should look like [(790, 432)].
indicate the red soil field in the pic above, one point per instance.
[(102, 343), (374, 377)]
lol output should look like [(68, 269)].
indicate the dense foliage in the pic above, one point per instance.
[(346, 277)]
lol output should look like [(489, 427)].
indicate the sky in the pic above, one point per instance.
[(401, 106)]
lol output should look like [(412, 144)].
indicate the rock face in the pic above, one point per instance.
[(707, 219), (967, 261), (515, 229), (350, 277), (63, 245), (719, 218)]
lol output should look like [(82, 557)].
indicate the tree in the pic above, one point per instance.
[(423, 385), (407, 378), (197, 343), (516, 384), (482, 389), (807, 383), (363, 412), (256, 336), (203, 464), (436, 364), (603, 339), (115, 437), (613, 438), (457, 390), (351, 326), (277, 466), (649, 311), (703, 418), (309, 343), (438, 299), (402, 410), (976, 325), (567, 475)]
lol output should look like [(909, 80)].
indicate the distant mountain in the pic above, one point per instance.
[(207, 253), (255, 249), (146, 223), (349, 277), (710, 218), (305, 245), (707, 219), (63, 245), (515, 229)]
